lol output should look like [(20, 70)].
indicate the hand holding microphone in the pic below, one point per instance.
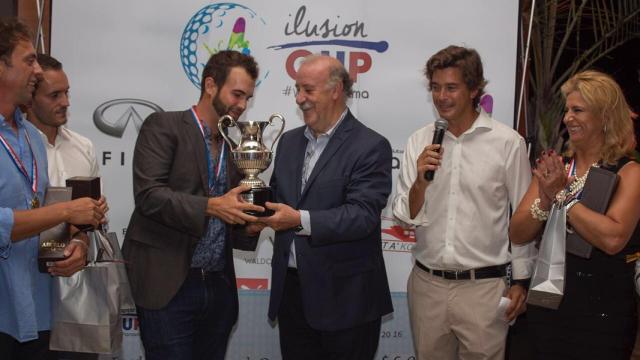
[(441, 126)]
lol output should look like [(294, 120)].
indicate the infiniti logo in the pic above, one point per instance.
[(125, 109)]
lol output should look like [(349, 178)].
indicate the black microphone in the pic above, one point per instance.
[(438, 135)]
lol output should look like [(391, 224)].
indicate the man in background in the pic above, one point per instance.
[(69, 153)]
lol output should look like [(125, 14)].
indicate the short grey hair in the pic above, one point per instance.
[(337, 73)]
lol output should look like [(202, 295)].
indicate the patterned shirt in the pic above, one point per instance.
[(209, 253)]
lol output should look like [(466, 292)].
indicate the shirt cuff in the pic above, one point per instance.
[(400, 211), (6, 225), (523, 260), (305, 222), (522, 268)]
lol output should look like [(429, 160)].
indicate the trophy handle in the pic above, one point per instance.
[(226, 122), (281, 129)]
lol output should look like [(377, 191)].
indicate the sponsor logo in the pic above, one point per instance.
[(130, 324), (348, 41), (395, 160), (486, 103), (233, 26), (258, 261), (252, 284), (113, 116), (395, 238), (216, 27)]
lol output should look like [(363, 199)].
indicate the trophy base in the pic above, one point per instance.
[(258, 196)]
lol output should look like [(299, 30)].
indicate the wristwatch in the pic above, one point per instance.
[(298, 228), (522, 282)]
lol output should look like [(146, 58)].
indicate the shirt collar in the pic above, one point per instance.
[(483, 121), (309, 135), (18, 117), (63, 133)]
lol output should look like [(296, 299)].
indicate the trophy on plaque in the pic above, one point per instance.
[(54, 240), (251, 157), (84, 186)]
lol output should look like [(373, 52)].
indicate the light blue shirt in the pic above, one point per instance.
[(315, 147), (24, 291)]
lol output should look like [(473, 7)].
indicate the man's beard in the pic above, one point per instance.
[(220, 108)]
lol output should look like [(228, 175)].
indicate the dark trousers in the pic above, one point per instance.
[(12, 349), (298, 340), (195, 324)]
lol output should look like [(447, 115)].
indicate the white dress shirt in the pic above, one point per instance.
[(464, 221), (71, 155)]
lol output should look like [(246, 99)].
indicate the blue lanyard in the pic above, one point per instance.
[(212, 178)]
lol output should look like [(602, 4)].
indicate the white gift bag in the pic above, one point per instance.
[(547, 283)]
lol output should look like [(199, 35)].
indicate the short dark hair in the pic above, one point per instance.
[(12, 31), (221, 63), (48, 62), (465, 59)]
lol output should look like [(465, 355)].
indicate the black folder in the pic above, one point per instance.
[(596, 195)]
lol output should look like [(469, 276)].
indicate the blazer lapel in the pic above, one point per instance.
[(199, 146), (298, 150), (336, 141)]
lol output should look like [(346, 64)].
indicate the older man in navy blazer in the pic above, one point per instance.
[(331, 180)]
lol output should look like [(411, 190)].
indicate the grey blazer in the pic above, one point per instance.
[(170, 186)]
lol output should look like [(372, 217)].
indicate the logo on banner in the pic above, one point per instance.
[(216, 27), (232, 26), (113, 116), (252, 283), (486, 103), (348, 42), (130, 325), (395, 238)]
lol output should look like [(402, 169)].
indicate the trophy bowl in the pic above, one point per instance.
[(252, 157)]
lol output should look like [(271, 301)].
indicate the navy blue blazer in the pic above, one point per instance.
[(342, 274)]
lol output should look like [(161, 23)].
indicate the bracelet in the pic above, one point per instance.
[(86, 247), (537, 213), (571, 204), (561, 197)]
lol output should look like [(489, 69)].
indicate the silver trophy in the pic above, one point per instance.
[(251, 157)]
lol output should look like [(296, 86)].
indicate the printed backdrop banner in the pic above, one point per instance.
[(126, 59)]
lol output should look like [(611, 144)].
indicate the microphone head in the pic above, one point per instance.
[(441, 124)]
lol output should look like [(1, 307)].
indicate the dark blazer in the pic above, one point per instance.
[(170, 187), (342, 274)]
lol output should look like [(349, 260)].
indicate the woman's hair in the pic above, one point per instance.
[(605, 99)]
